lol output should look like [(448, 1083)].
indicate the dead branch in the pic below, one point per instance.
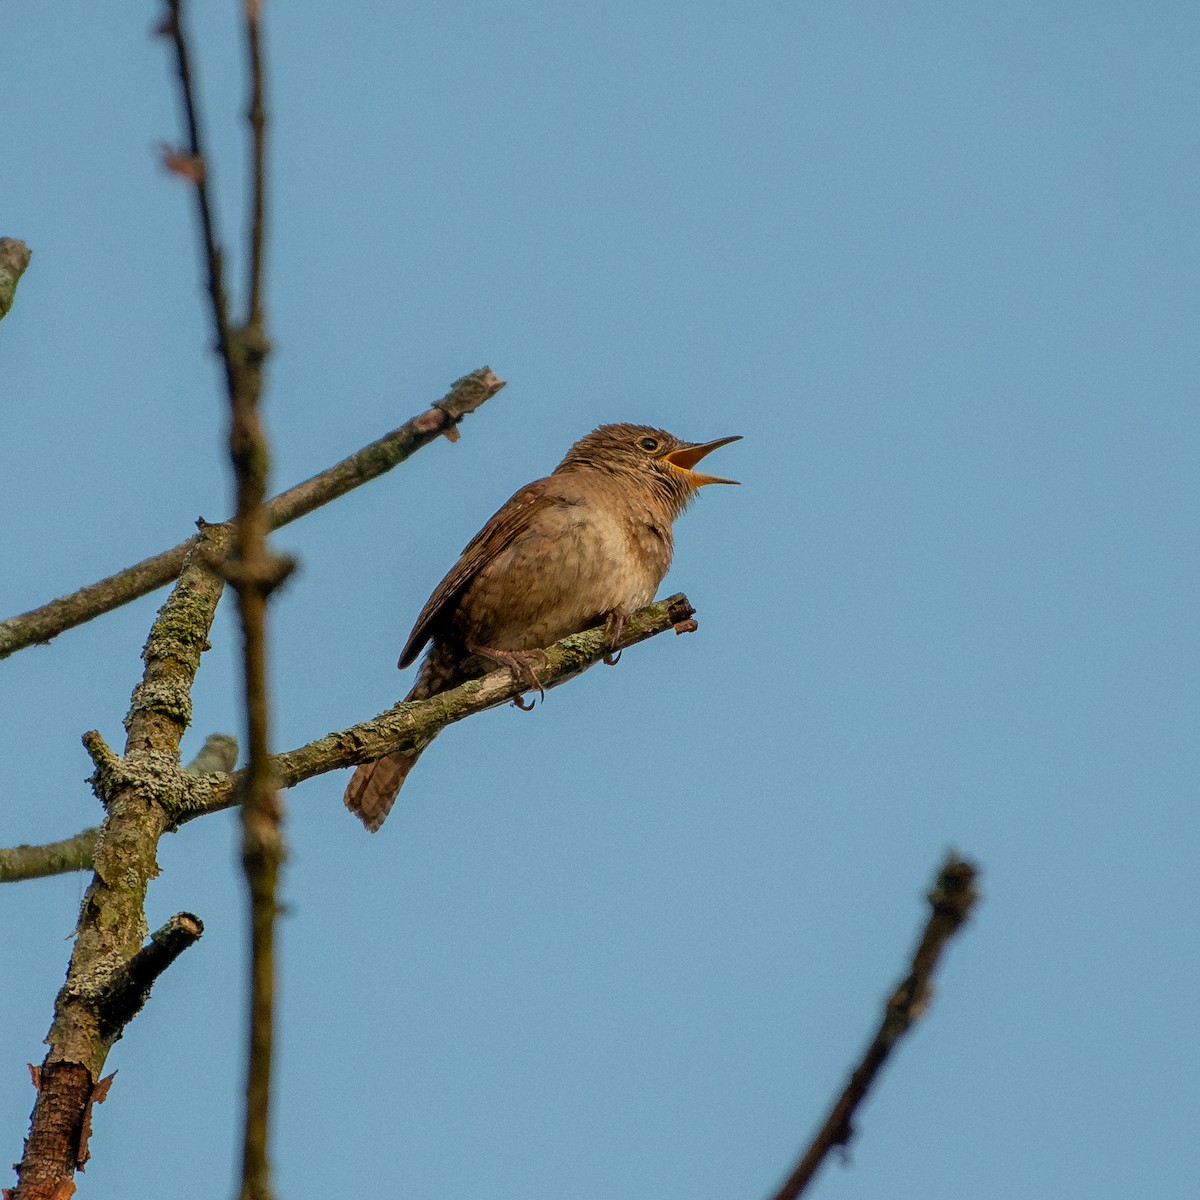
[(402, 725), (219, 753), (17, 863), (52, 858), (951, 900), (139, 792), (122, 996), (415, 722), (40, 625)]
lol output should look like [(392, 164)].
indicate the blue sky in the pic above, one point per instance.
[(937, 263)]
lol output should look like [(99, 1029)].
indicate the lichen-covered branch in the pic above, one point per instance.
[(14, 258), (17, 863), (145, 792), (414, 722), (41, 624), (951, 901), (124, 993), (139, 791)]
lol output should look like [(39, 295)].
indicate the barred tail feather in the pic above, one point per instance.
[(374, 786)]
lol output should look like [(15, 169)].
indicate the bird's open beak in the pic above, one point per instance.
[(686, 457)]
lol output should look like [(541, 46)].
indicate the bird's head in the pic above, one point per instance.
[(652, 455)]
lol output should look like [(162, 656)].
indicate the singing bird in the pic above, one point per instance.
[(588, 544)]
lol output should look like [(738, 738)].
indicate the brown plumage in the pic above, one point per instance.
[(587, 545)]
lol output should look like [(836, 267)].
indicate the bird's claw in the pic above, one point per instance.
[(523, 672), (520, 663), (614, 624)]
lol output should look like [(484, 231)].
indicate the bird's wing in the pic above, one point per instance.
[(505, 527)]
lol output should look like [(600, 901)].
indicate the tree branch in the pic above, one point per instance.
[(415, 722), (258, 573), (122, 996), (412, 723), (14, 258), (41, 624), (195, 168), (66, 1089), (257, 117), (139, 791), (54, 858), (951, 900), (219, 753)]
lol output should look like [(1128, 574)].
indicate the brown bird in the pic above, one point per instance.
[(590, 543)]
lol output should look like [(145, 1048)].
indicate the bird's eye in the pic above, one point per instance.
[(649, 443)]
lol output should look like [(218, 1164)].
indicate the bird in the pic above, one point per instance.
[(588, 544)]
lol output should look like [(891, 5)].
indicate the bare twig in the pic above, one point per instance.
[(257, 116), (122, 996), (253, 571), (14, 258), (198, 173), (951, 900), (140, 791), (414, 722), (41, 624), (52, 858), (258, 573), (219, 753)]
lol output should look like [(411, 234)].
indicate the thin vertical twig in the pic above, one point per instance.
[(253, 571), (197, 170), (257, 573), (258, 190)]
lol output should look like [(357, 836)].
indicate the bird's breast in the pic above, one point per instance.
[(578, 562)]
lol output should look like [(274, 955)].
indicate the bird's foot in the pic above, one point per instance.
[(614, 623), (520, 663)]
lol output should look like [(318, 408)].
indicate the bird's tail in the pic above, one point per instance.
[(374, 786)]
